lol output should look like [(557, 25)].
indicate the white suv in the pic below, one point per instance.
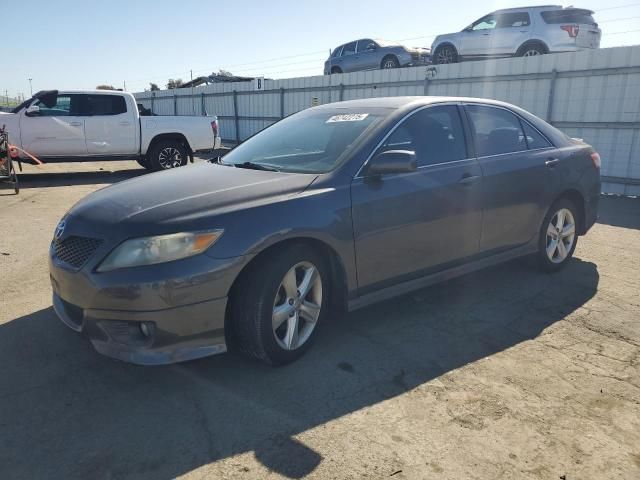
[(520, 32)]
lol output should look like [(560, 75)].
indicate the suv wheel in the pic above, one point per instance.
[(167, 154), (445, 54), (278, 305), (532, 50), (389, 62), (336, 70), (558, 235)]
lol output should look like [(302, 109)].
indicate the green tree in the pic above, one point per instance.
[(105, 87), (154, 87), (171, 83)]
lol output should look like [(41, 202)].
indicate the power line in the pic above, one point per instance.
[(618, 6)]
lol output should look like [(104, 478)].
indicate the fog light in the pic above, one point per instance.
[(144, 328)]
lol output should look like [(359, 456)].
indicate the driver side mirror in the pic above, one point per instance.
[(371, 47), (392, 161), (32, 111)]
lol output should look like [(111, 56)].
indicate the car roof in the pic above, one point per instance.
[(92, 92), (398, 102), (534, 7)]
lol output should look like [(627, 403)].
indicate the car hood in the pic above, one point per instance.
[(187, 197)]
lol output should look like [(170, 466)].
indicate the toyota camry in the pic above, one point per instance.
[(330, 209)]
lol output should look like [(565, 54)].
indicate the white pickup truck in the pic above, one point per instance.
[(106, 125)]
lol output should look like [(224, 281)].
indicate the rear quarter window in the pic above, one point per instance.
[(573, 15)]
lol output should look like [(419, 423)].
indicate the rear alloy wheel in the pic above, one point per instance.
[(558, 238), (167, 155), (389, 62), (278, 305), (445, 54), (531, 51)]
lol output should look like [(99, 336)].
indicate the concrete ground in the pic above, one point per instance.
[(507, 373)]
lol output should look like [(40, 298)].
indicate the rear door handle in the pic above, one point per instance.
[(124, 123), (75, 124), (552, 162), (468, 179)]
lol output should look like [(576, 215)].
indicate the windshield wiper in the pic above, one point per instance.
[(255, 166)]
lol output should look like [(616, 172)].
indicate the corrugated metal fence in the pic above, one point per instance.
[(593, 95)]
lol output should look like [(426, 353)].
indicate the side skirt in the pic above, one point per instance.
[(444, 275)]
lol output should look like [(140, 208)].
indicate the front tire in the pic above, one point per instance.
[(558, 235), (279, 304), (445, 54), (167, 154)]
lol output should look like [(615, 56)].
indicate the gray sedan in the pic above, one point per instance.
[(330, 209), (368, 54)]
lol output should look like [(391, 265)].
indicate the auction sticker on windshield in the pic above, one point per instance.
[(348, 117)]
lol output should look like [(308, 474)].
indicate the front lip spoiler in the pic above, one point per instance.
[(156, 357)]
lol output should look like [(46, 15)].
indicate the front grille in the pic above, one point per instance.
[(75, 251)]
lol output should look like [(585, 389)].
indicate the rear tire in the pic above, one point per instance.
[(167, 154), (389, 62), (272, 309), (336, 70), (558, 235), (531, 50)]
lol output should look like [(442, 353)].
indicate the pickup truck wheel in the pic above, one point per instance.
[(168, 154)]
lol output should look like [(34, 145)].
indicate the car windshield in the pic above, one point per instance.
[(313, 141)]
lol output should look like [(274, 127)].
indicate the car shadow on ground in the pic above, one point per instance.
[(67, 412), (619, 211)]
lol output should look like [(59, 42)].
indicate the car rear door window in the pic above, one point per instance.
[(497, 130), (364, 43), (349, 49), (435, 134), (513, 19), (535, 139), (102, 105)]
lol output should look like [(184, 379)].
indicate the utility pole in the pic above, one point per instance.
[(124, 83), (30, 87), (193, 107), (6, 94)]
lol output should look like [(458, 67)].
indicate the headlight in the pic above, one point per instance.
[(158, 249)]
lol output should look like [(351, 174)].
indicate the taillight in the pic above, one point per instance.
[(595, 158), (572, 30), (214, 127)]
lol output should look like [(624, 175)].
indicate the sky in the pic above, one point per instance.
[(73, 44)]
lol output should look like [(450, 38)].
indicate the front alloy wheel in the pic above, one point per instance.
[(297, 306), (278, 304)]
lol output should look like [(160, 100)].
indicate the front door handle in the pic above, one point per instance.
[(468, 179), (552, 162), (124, 124), (75, 124)]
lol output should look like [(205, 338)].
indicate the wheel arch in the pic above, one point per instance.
[(531, 42), (169, 136), (335, 264)]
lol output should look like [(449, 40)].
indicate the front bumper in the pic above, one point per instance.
[(152, 315)]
